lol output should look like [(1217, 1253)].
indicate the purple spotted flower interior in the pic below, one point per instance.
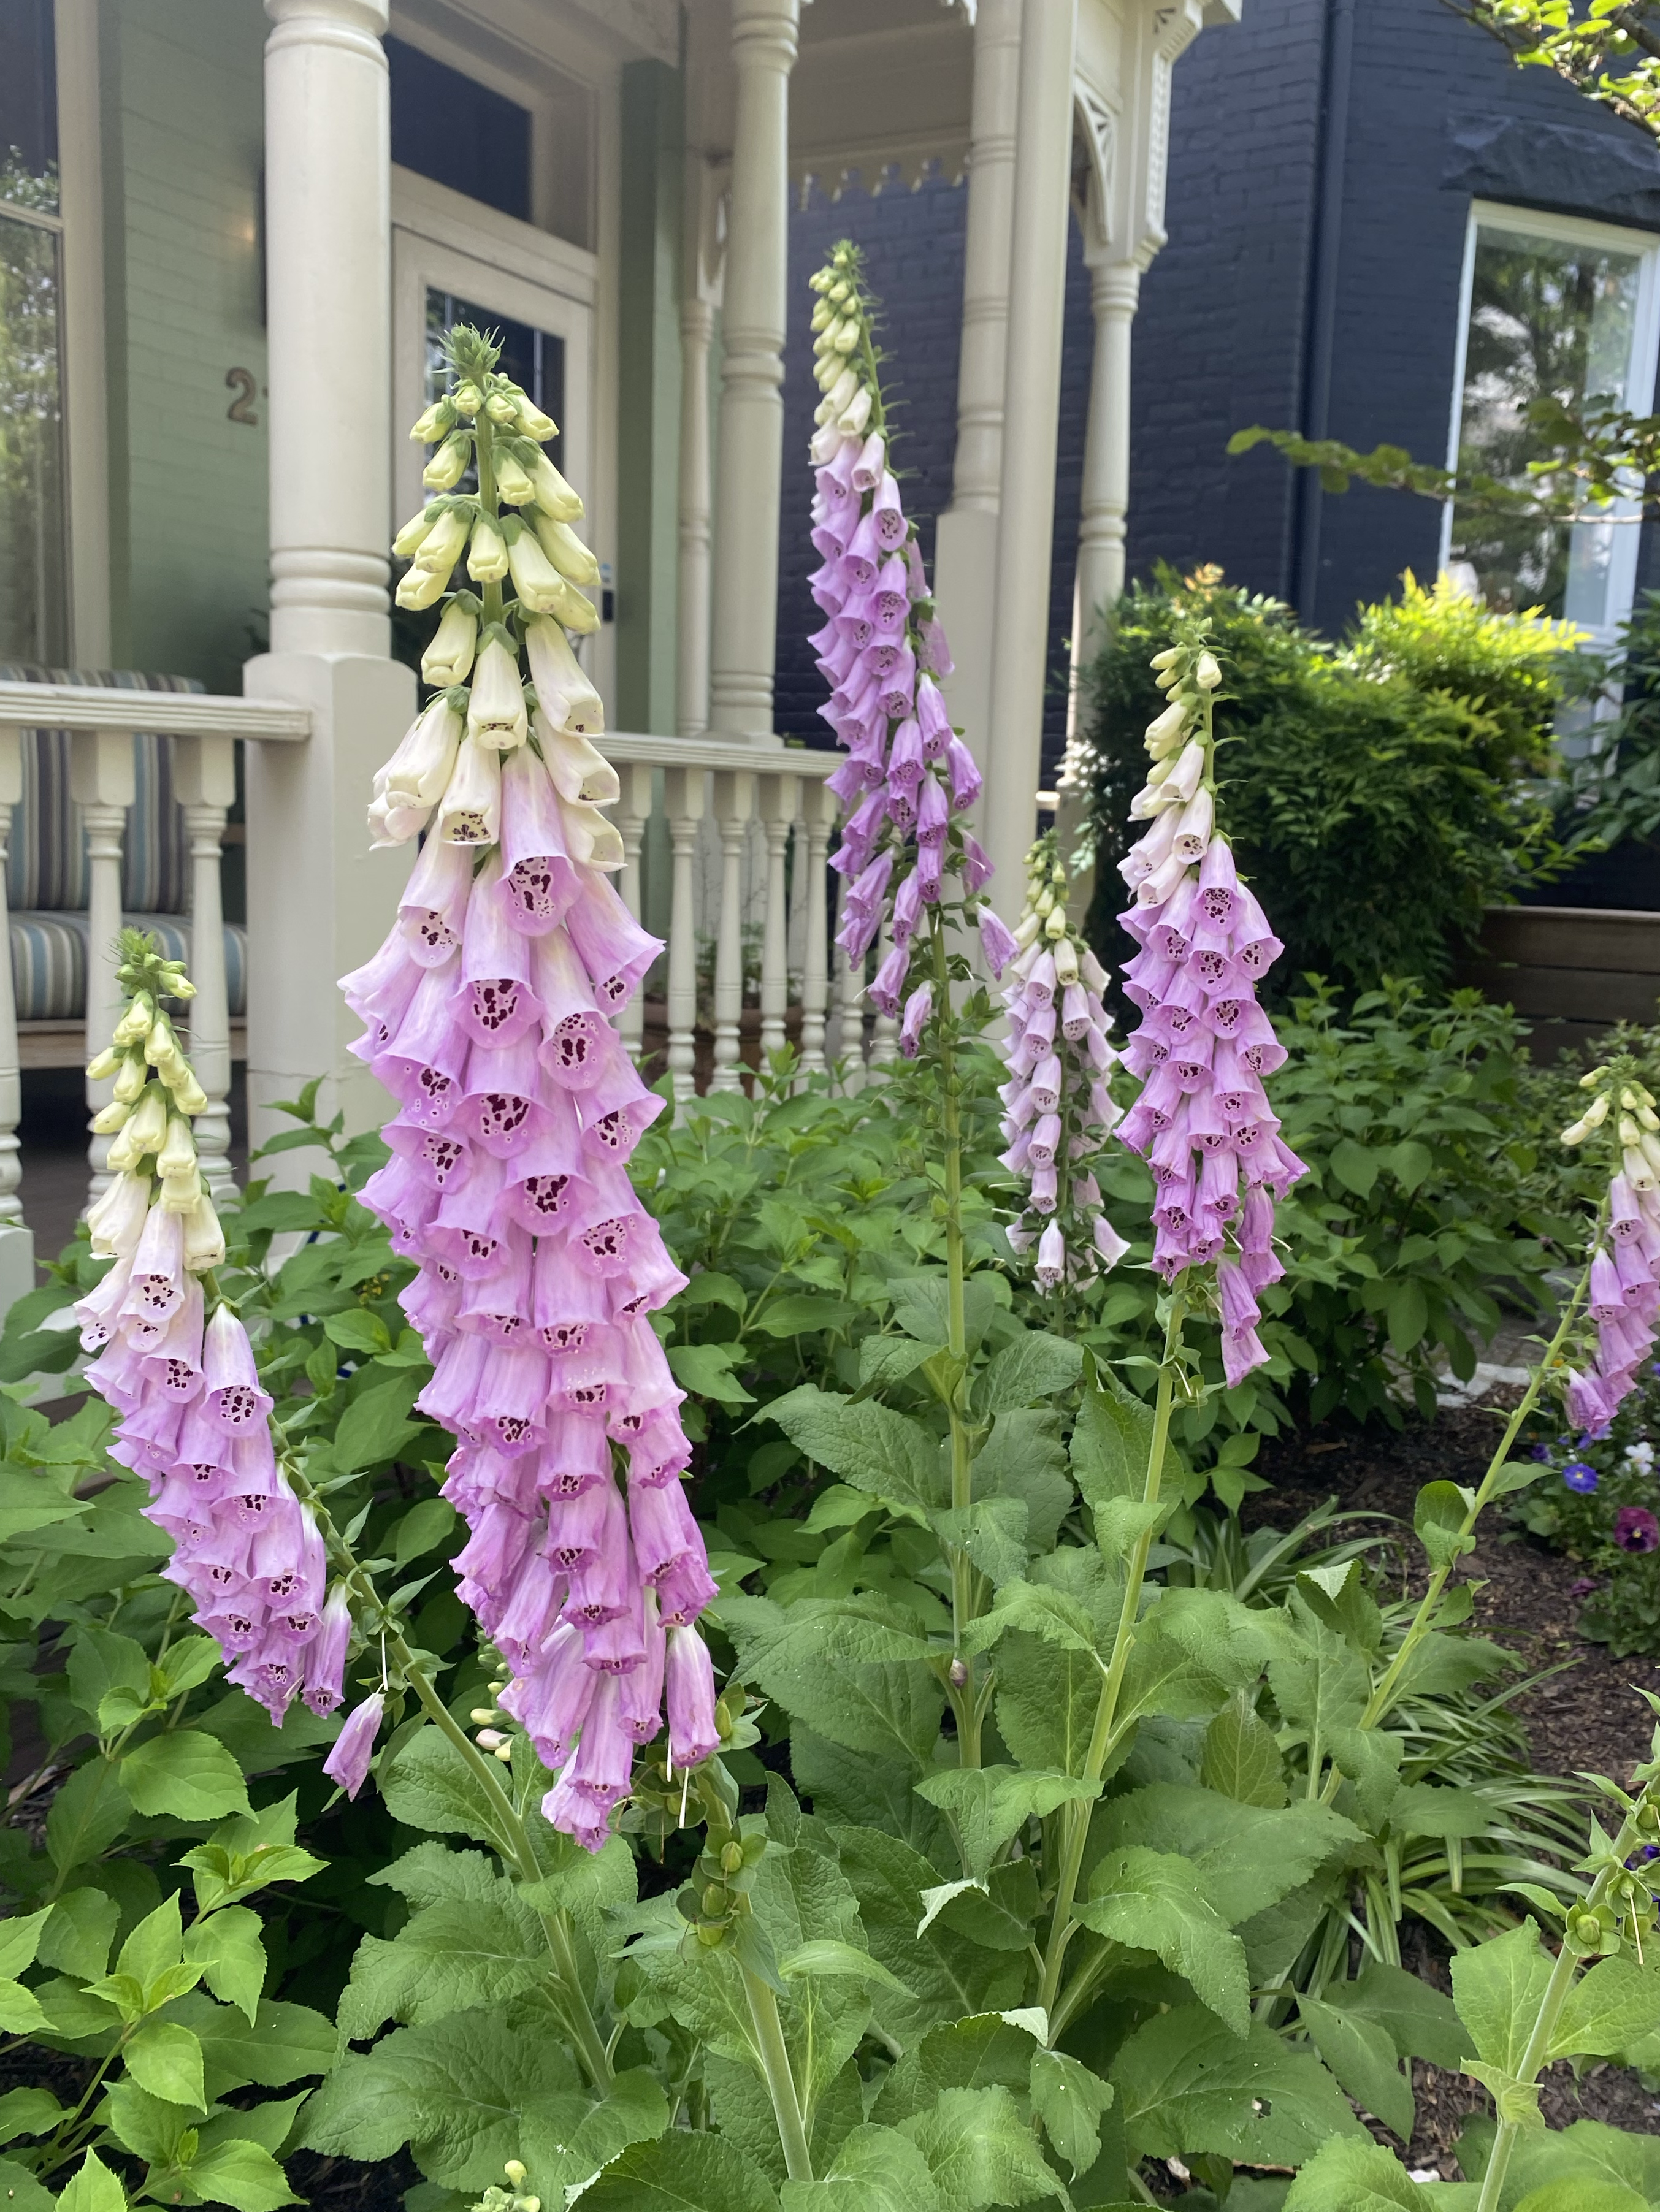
[(1202, 1122)]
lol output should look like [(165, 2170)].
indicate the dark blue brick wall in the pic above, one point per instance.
[(913, 245), (1221, 336)]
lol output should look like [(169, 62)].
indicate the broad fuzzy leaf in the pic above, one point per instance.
[(1242, 1760), (869, 1445), (980, 2152), (1247, 1856), (1346, 2176), (1498, 1987), (989, 1806), (186, 1774), (447, 1958), (874, 2169), (1362, 2057), (1186, 2083), (1155, 1901), (683, 2170)]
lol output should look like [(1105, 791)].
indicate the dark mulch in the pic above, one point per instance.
[(1585, 1718)]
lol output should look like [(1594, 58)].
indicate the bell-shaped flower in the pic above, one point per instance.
[(496, 704), (448, 658), (567, 698), (415, 778), (353, 1750)]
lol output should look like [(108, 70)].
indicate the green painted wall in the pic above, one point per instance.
[(183, 78), (648, 397)]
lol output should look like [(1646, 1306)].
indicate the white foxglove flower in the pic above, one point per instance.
[(442, 546), (580, 773), (415, 778), (116, 1223), (487, 553), (449, 463), (418, 588), (567, 698), (537, 582), (553, 494), (568, 555), (496, 704), (512, 483), (448, 658), (471, 810)]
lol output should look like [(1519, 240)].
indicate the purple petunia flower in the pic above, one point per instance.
[(1636, 1529)]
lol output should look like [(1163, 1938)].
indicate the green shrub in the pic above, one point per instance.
[(1379, 795)]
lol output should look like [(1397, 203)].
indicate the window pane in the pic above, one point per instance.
[(458, 132), (33, 597), (1545, 316), (534, 358), (28, 105)]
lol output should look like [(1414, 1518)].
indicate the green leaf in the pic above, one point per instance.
[(1069, 2101), (23, 2193), (1606, 2011), (187, 1774), (1589, 2151), (1186, 2083), (980, 2152), (281, 1210), (886, 1360), (1515, 2100), (1425, 1808), (1498, 1987), (27, 2112), (1023, 1459), (1409, 1162), (286, 2042), (1033, 1368), (1047, 1701), (93, 2189), (989, 1806), (1111, 1441), (1241, 1760), (423, 1529), (967, 2054), (32, 1501), (683, 2170), (20, 1941), (828, 1956), (1582, 2196), (1418, 2019), (227, 1945), (1346, 2176), (456, 2092), (804, 1313), (87, 1815), (431, 1786), (852, 1668), (358, 1330), (154, 1945), (376, 1426), (993, 1533), (166, 2060), (1437, 1515), (1039, 1609), (950, 1977), (705, 1370), (869, 1445), (448, 1958), (78, 1936), (20, 2009), (100, 1661), (1155, 1901), (874, 2169), (1245, 1857), (242, 2174), (1355, 1166), (185, 1665), (1407, 1314), (1362, 2057)]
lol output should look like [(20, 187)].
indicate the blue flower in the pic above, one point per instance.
[(1578, 1476), (1540, 1452)]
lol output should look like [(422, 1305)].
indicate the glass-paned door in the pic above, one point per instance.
[(1552, 307), (534, 358), (33, 537)]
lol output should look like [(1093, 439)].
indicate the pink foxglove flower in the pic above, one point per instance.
[(347, 1762), (1202, 1122), (1057, 1110), (1624, 1300), (178, 1367), (490, 1016), (908, 779)]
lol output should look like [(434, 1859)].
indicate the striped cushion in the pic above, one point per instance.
[(48, 864), (49, 961)]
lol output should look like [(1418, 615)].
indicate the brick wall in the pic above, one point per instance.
[(190, 556)]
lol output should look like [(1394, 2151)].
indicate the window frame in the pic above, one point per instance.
[(1638, 398)]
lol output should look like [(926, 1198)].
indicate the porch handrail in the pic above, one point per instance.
[(176, 714)]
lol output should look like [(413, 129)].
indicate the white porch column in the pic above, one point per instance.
[(700, 297), (1114, 288), (103, 785), (965, 548), (1032, 407), (318, 901), (17, 1241), (778, 797), (750, 466), (204, 779)]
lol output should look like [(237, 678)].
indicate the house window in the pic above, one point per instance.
[(1564, 307), (34, 563), (458, 132)]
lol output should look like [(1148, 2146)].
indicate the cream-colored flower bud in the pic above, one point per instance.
[(437, 421), (570, 555), (180, 985), (847, 336), (1207, 674), (823, 315), (416, 776), (487, 553), (414, 534), (553, 494), (1648, 1145), (1066, 962), (568, 701), (1591, 1078), (130, 1082), (589, 837), (449, 463), (531, 421), (513, 481), (537, 582), (853, 418), (580, 774), (180, 1193), (1168, 678), (421, 587), (104, 1064), (1055, 927), (1164, 730), (124, 1154), (188, 1095), (134, 1024), (1639, 1171), (468, 398), (204, 1240), (501, 409), (146, 1127), (448, 658), (160, 1044), (841, 382), (1030, 928), (177, 1155), (1575, 1134), (445, 541), (496, 704), (116, 1222), (1167, 659), (108, 1119), (574, 611)]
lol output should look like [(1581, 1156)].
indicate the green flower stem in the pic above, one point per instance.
[(781, 2082), (1075, 1818), (1550, 2011), (966, 1703), (1378, 1704), (489, 504), (555, 1925)]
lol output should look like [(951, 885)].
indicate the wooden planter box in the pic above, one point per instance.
[(1573, 971)]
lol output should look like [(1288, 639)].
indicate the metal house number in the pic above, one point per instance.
[(243, 383)]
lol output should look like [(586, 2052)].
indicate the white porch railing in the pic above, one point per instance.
[(746, 833)]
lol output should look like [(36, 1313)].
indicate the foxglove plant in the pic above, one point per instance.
[(1058, 1111), (490, 1019), (1202, 1122), (1624, 1300), (172, 1357)]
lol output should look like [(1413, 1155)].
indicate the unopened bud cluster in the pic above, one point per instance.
[(148, 1119), (1624, 1301), (1058, 1111)]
